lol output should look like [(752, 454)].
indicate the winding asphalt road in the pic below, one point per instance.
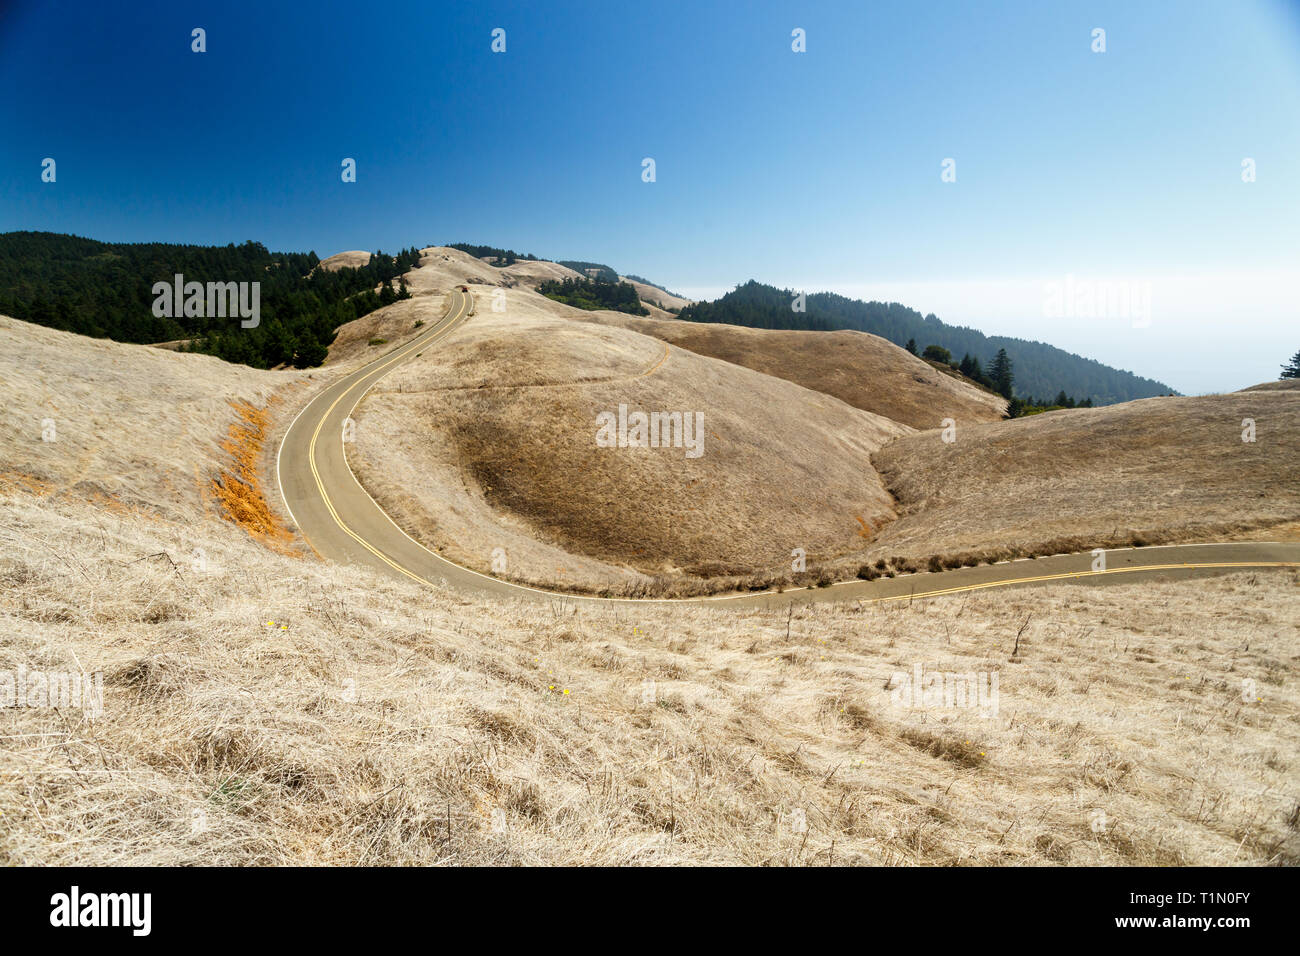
[(342, 523)]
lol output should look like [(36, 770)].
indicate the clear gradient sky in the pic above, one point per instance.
[(816, 170)]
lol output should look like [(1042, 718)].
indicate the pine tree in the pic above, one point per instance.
[(1292, 370), (911, 346), (1000, 371)]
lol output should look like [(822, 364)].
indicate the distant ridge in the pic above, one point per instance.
[(1039, 368), (103, 289)]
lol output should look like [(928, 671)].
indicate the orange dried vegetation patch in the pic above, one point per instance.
[(17, 481), (239, 492), (116, 505)]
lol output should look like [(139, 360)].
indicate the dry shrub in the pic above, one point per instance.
[(945, 746)]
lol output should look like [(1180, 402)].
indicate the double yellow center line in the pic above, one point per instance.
[(371, 374)]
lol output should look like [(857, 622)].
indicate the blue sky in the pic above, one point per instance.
[(812, 170)]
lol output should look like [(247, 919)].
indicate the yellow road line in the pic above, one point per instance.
[(366, 373)]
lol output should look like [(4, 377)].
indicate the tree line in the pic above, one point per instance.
[(105, 290), (592, 270), (592, 294), (999, 378), (499, 256)]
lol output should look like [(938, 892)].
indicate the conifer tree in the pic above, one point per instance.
[(1292, 369), (1000, 372)]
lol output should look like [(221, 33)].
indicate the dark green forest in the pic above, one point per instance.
[(105, 290), (592, 294), (499, 257), (1040, 369)]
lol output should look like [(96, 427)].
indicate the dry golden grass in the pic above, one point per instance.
[(394, 324), (1282, 385), (260, 709), (1160, 470), (490, 443), (378, 723), (656, 298), (862, 370), (352, 259), (442, 269), (130, 422), (531, 273)]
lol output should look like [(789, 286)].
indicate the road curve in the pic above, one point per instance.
[(342, 523)]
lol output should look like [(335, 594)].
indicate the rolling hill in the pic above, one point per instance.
[(1152, 471), (860, 369), (492, 442)]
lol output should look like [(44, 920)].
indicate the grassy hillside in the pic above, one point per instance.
[(1152, 471), (263, 708), (655, 285), (862, 370), (491, 442), (1039, 369)]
